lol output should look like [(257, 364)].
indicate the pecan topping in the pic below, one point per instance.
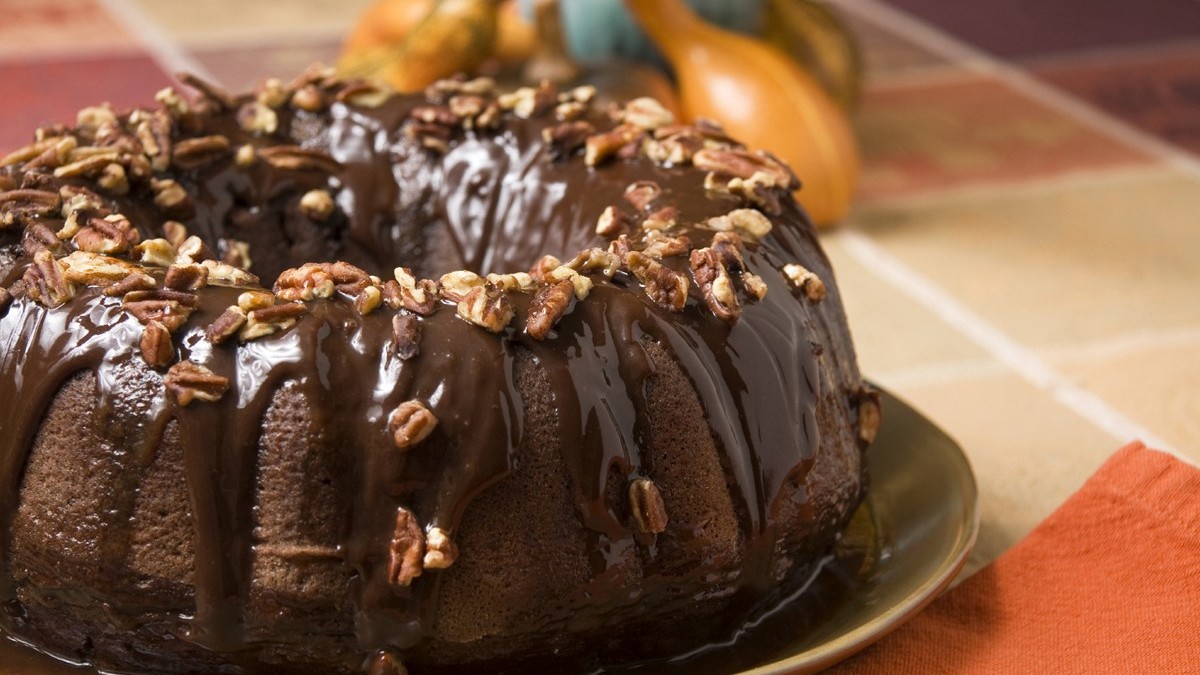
[(595, 260), (744, 164), (728, 246), (543, 266), (187, 277), (528, 102), (224, 274), (193, 249), (600, 147), (581, 284), (270, 320), (309, 98), (516, 282), (455, 286), (257, 118), (271, 93), (713, 280), (641, 193), (156, 346), (134, 281), (549, 305), (296, 158), (368, 300), (440, 551), (170, 308), (363, 94), (188, 381), (659, 245), (114, 179), (661, 219), (754, 285), (749, 221), (88, 166), (646, 507), (349, 279), (647, 113), (417, 296), (666, 287), (193, 153), (410, 423), (406, 336), (252, 300), (317, 205), (228, 324), (612, 222), (17, 205), (237, 253), (46, 280), (211, 92), (92, 269), (175, 232), (564, 139), (171, 198), (157, 252), (487, 307), (38, 237), (309, 281), (407, 549), (76, 198), (808, 282), (111, 234)]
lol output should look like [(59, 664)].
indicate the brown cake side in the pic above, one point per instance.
[(638, 459)]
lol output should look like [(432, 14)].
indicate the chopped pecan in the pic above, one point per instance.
[(21, 204), (237, 253), (595, 260), (157, 348), (270, 320), (749, 221), (46, 280), (754, 285), (713, 280), (224, 274), (76, 198), (171, 308), (467, 107), (175, 233), (368, 300), (226, 325), (28, 152), (659, 245), (154, 132), (549, 305), (528, 102), (581, 284), (172, 102), (759, 189), (584, 93), (257, 118), (114, 179), (431, 136), (647, 113), (434, 114), (245, 155), (193, 153), (171, 198), (869, 415), (729, 246), (419, 296), (612, 221), (111, 234), (407, 549), (487, 307), (193, 249), (744, 164), (187, 277), (666, 287), (406, 336), (454, 286), (39, 237), (309, 281), (271, 92), (134, 281), (296, 158), (519, 282), (567, 137), (362, 93), (309, 98), (410, 423), (569, 110), (91, 269), (646, 506), (252, 300), (317, 205), (157, 252), (385, 662), (661, 219), (620, 247), (641, 193), (600, 147), (808, 282), (349, 279), (188, 381), (440, 550), (543, 267)]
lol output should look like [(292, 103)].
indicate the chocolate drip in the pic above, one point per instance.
[(494, 202)]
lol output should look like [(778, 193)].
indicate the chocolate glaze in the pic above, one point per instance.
[(495, 201)]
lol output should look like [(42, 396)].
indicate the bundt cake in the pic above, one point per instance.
[(531, 380)]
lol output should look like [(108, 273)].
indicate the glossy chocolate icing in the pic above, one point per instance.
[(494, 201)]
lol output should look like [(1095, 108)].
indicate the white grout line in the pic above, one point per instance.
[(992, 340), (982, 63), (165, 51)]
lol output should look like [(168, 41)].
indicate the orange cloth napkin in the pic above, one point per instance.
[(1110, 583)]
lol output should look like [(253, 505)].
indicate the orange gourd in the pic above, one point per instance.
[(762, 98)]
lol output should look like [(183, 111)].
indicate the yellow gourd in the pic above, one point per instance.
[(762, 98)]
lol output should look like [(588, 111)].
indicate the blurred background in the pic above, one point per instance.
[(1019, 245)]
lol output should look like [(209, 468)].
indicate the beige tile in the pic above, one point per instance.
[(237, 22), (1061, 263), (1028, 452), (1157, 386), (892, 333)]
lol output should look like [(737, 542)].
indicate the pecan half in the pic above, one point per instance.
[(91, 269), (406, 336), (188, 381), (744, 164), (641, 193), (612, 222), (46, 280), (186, 277), (567, 137), (226, 325), (646, 507), (407, 549), (156, 346), (659, 245), (410, 423), (193, 153), (134, 281), (270, 320), (111, 234), (549, 305), (39, 237), (647, 113), (21, 204), (600, 147), (170, 308), (171, 198), (455, 286), (666, 287), (309, 281)]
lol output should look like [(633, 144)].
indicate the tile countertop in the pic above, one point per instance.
[(1024, 259)]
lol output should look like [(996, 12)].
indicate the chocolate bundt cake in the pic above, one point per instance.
[(528, 380)]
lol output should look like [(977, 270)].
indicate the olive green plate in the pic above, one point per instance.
[(922, 508)]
